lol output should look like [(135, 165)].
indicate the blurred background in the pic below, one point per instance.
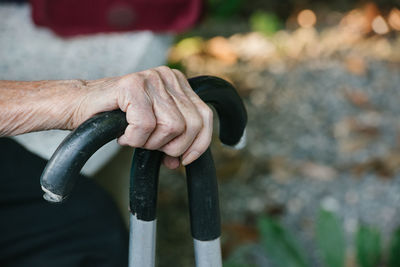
[(318, 183)]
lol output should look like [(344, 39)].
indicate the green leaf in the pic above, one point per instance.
[(280, 247), (394, 250), (265, 22), (368, 242), (330, 239)]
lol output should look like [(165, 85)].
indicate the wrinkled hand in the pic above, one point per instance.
[(162, 110)]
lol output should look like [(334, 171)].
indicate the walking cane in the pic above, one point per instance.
[(62, 170)]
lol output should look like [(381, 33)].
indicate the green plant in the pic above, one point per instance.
[(284, 251), (394, 250), (330, 239), (368, 242), (279, 244)]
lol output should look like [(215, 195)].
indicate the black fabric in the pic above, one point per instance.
[(85, 230)]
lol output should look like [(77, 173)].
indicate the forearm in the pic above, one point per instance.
[(38, 105)]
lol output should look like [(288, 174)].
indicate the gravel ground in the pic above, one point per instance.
[(326, 148), (318, 136)]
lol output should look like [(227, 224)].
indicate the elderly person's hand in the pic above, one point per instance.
[(162, 110)]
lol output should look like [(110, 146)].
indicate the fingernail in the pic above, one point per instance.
[(190, 157)]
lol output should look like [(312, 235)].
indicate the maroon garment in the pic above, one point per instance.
[(74, 17)]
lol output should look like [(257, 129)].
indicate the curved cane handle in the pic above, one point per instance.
[(61, 172)]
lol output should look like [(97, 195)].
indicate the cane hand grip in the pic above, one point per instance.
[(61, 172)]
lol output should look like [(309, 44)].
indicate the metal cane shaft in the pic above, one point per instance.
[(142, 242), (207, 253)]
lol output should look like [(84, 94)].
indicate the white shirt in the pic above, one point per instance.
[(31, 53)]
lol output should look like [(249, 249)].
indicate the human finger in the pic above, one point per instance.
[(169, 120), (193, 119), (203, 139)]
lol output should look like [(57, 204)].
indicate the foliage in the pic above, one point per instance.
[(265, 22), (394, 250), (368, 244), (283, 250), (330, 239), (279, 244)]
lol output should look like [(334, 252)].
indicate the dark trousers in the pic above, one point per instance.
[(85, 230)]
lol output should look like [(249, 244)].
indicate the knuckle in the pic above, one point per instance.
[(167, 74), (164, 69), (151, 74), (195, 124), (174, 127), (141, 125), (147, 126)]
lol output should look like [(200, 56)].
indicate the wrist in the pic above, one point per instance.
[(92, 97), (54, 103), (67, 103)]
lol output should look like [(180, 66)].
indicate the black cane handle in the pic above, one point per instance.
[(224, 98), (61, 171)]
